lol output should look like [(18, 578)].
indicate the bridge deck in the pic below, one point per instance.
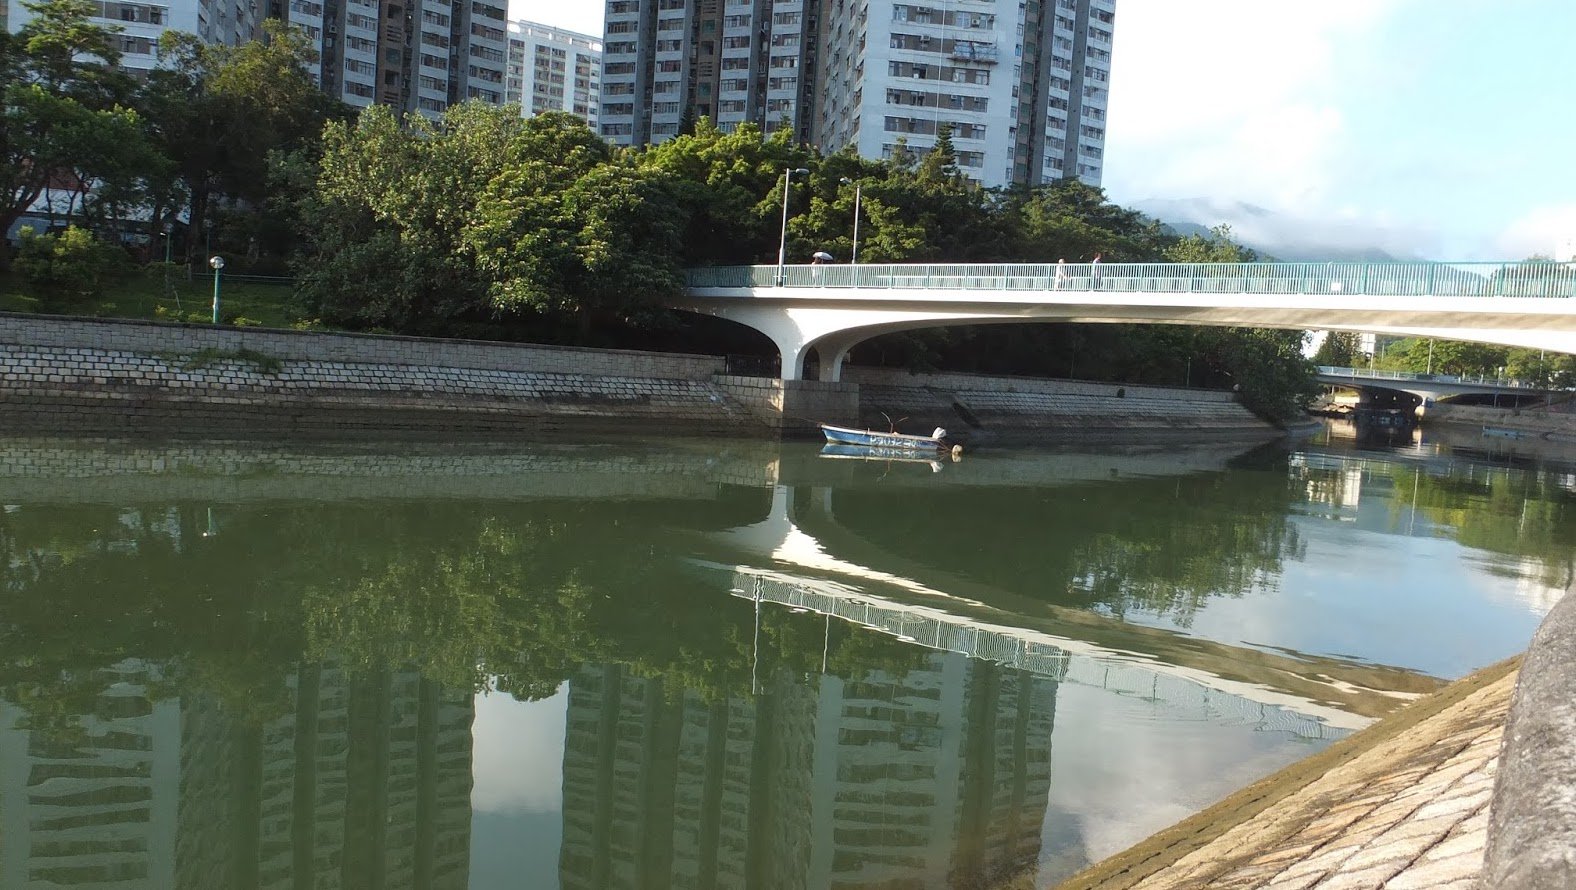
[(1527, 279)]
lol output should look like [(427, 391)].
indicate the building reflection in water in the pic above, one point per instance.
[(919, 777), (366, 784), (914, 779)]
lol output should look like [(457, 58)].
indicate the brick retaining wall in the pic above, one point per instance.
[(87, 375), (1006, 408), (90, 376)]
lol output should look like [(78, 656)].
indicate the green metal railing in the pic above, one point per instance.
[(1529, 279), (1470, 379)]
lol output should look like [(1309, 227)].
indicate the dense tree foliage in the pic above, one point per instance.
[(1458, 358)]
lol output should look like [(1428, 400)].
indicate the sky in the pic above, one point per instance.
[(1439, 129)]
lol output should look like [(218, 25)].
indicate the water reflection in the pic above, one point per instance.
[(223, 666), (922, 777), (366, 783)]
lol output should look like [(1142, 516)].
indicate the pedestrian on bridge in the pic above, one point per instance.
[(1094, 272), (1061, 274)]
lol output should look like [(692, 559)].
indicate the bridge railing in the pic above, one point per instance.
[(1528, 279), (1366, 374)]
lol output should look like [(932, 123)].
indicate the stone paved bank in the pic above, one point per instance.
[(98, 376), (1403, 805)]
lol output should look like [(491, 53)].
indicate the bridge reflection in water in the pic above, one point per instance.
[(1049, 657)]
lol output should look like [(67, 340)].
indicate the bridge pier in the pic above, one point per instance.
[(795, 407)]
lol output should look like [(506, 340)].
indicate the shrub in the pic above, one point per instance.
[(69, 263)]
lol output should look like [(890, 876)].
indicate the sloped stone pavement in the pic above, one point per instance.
[(1404, 805)]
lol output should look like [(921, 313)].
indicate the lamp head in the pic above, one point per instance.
[(216, 263)]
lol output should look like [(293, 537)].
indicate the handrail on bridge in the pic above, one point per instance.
[(1368, 374), (1526, 279)]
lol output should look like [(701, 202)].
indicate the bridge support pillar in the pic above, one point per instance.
[(833, 350), (806, 403), (794, 407)]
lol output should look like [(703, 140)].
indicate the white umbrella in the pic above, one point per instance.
[(822, 255)]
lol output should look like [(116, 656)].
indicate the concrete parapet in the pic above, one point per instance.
[(1532, 826)]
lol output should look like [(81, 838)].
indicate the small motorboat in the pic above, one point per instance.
[(842, 435)]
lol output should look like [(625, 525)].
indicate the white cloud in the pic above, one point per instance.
[(1547, 231), (1233, 99)]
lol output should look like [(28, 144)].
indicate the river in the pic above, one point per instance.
[(688, 664)]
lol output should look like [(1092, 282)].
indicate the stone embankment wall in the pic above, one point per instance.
[(82, 375), (1006, 408), (76, 374), (1532, 823), (1536, 423)]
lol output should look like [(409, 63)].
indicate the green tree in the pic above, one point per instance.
[(726, 189), (481, 218), (1069, 219), (1219, 247), (219, 112), (563, 227), (1339, 350), (62, 121), (380, 233)]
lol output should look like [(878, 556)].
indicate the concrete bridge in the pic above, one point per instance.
[(830, 309), (1428, 387)]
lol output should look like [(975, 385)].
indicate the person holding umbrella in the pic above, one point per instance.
[(821, 258)]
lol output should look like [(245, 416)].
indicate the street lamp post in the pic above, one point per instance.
[(217, 264), (169, 239), (782, 243), (853, 258)]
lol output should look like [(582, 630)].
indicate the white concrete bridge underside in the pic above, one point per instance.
[(832, 320)]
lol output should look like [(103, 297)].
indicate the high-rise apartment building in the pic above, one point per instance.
[(412, 55), (551, 69), (141, 24), (1022, 87), (669, 61)]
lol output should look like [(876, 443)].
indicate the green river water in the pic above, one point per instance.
[(711, 664)]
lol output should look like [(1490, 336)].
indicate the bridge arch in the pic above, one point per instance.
[(832, 308)]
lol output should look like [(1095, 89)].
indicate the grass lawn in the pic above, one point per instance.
[(145, 295)]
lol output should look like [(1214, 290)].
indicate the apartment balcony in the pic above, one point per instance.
[(965, 51)]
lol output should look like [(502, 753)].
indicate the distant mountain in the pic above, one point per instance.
[(1277, 235)]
